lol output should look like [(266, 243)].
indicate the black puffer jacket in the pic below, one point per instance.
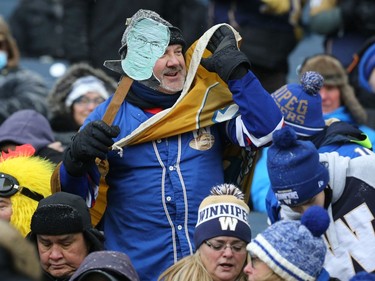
[(19, 88)]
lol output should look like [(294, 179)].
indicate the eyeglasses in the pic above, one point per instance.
[(10, 186), (84, 101), (220, 247), (253, 259)]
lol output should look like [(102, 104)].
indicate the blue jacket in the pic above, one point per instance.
[(156, 187)]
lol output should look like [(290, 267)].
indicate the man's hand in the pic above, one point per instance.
[(226, 59), (92, 142)]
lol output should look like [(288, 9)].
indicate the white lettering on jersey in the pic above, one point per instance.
[(356, 241)]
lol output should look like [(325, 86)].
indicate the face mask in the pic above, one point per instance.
[(147, 42), (3, 59)]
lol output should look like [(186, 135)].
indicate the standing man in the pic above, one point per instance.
[(157, 184)]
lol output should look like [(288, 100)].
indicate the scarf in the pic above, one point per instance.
[(146, 98)]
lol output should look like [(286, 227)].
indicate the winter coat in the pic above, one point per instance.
[(350, 237), (19, 88), (61, 119), (155, 189)]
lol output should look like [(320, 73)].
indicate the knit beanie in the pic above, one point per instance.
[(174, 33), (64, 85), (61, 213), (65, 213), (84, 85), (334, 74), (301, 104), (223, 213), (294, 249), (295, 173)]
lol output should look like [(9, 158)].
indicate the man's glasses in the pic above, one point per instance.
[(10, 186), (84, 101), (238, 247)]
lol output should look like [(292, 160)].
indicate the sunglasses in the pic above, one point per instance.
[(10, 186)]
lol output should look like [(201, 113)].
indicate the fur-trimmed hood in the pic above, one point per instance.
[(63, 86), (334, 74)]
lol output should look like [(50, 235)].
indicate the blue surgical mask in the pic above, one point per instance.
[(3, 59)]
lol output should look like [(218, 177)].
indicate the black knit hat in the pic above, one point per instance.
[(65, 213), (61, 213)]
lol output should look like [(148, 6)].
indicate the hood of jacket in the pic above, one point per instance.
[(63, 86), (27, 126)]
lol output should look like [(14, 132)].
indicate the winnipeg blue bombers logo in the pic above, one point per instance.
[(228, 214), (228, 223), (291, 107)]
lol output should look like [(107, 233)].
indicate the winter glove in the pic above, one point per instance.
[(92, 142), (226, 59)]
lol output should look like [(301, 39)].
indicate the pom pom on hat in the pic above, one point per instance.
[(301, 104), (284, 139), (316, 219), (290, 249), (223, 213), (312, 82), (295, 173)]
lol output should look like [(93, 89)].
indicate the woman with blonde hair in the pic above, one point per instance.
[(221, 235)]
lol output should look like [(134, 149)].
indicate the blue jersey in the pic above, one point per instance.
[(156, 187)]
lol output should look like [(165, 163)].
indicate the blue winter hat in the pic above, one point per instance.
[(294, 249), (223, 213), (301, 104), (295, 173)]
